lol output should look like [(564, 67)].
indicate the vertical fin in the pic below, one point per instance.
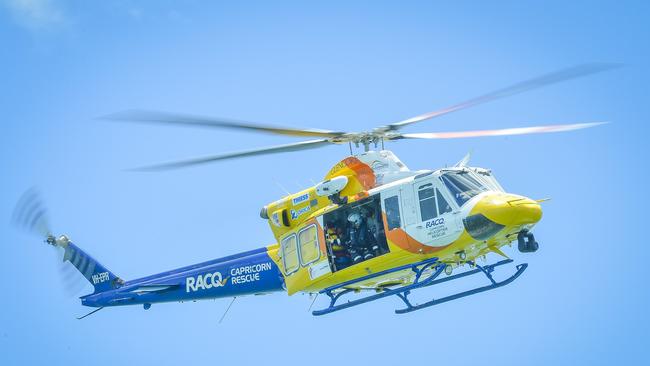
[(99, 276)]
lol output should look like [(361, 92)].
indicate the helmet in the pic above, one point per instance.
[(354, 218)]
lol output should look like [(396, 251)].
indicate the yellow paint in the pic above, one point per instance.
[(512, 211), (509, 209)]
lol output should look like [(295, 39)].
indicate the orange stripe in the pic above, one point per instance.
[(403, 240)]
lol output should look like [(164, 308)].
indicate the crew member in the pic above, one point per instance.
[(360, 239)]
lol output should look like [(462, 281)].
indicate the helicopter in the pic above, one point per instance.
[(371, 226)]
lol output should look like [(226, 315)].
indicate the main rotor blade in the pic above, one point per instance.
[(303, 145), (502, 132), (189, 120), (535, 83)]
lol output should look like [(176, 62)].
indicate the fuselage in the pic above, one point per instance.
[(384, 216), (425, 215)]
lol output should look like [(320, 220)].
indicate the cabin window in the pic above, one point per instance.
[(309, 250), (391, 205), (432, 202), (290, 254), (426, 195)]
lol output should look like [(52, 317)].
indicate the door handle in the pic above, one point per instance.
[(419, 226)]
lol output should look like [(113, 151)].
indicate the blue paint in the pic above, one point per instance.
[(487, 271), (418, 268), (435, 222), (370, 63), (403, 292), (99, 276), (246, 273)]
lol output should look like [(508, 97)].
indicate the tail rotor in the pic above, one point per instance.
[(32, 216)]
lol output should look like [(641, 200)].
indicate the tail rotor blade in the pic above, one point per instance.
[(31, 215), (71, 280)]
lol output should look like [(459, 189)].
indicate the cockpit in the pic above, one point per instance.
[(465, 183)]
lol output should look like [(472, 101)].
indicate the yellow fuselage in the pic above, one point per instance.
[(458, 232)]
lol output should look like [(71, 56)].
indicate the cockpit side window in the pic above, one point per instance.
[(426, 195), (443, 205)]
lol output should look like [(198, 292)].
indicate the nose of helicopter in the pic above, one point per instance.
[(509, 209)]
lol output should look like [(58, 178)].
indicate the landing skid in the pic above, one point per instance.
[(403, 292), (487, 271)]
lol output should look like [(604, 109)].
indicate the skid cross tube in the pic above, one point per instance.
[(487, 271), (488, 268), (416, 284)]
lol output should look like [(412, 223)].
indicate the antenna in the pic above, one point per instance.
[(281, 187), (91, 313), (227, 309), (313, 301)]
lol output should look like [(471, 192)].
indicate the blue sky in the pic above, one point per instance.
[(334, 65)]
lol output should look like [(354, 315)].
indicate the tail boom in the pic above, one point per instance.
[(252, 272)]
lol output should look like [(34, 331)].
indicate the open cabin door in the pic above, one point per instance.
[(342, 238), (354, 233)]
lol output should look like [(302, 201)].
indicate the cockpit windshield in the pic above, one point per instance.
[(487, 178), (462, 185)]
